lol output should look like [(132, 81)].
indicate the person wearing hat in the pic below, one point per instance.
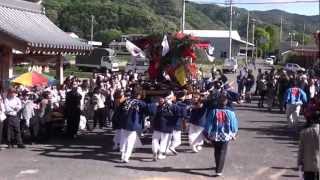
[(220, 128), (12, 106)]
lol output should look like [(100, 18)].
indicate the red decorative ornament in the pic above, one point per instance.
[(180, 35), (189, 53), (171, 70), (192, 68)]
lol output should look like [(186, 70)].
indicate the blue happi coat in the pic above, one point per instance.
[(182, 108), (221, 125), (166, 117), (295, 95), (132, 114), (198, 116)]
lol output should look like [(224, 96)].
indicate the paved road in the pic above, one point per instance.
[(264, 150)]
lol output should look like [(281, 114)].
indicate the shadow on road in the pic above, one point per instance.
[(274, 127), (275, 132), (90, 146), (171, 169)]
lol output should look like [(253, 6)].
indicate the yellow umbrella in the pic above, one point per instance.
[(31, 79)]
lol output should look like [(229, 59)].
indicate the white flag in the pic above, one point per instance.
[(210, 50), (134, 50), (165, 46), (210, 57)]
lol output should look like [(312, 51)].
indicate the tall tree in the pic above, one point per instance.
[(262, 40), (274, 34)]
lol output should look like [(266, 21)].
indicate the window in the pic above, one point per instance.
[(106, 58), (223, 54)]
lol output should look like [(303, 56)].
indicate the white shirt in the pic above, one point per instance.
[(99, 100), (62, 94), (312, 90), (12, 106), (83, 93), (124, 84), (135, 75), (2, 110)]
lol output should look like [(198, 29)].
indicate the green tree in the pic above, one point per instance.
[(262, 38), (107, 36), (274, 35), (303, 38)]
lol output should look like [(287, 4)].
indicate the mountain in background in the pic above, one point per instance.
[(115, 17)]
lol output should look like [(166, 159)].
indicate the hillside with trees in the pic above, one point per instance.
[(116, 17)]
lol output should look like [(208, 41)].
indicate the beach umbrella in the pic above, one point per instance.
[(31, 79), (51, 79)]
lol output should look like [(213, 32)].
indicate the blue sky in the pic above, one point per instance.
[(299, 8)]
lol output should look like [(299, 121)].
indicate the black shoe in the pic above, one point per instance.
[(21, 146)]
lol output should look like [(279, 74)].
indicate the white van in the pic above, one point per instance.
[(230, 65)]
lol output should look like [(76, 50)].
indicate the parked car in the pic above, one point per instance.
[(269, 61), (293, 67), (275, 60), (230, 65)]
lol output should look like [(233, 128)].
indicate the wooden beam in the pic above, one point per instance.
[(6, 61), (59, 69), (9, 41)]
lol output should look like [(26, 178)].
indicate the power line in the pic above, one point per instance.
[(260, 3)]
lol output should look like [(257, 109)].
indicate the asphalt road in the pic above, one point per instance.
[(264, 150)]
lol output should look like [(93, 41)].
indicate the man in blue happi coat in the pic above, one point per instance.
[(220, 128), (132, 112)]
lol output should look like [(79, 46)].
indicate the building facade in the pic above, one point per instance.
[(220, 41)]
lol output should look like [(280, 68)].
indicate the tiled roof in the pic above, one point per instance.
[(24, 26)]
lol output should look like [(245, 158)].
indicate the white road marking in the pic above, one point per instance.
[(259, 172), (28, 172), (278, 174)]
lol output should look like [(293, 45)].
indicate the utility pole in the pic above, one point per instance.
[(92, 19), (292, 37), (230, 31), (304, 29), (280, 39), (183, 17), (247, 41), (281, 26), (253, 38)]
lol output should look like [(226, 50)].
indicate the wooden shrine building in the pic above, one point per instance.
[(24, 28)]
